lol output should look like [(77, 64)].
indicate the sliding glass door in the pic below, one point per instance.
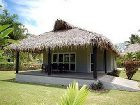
[(66, 60)]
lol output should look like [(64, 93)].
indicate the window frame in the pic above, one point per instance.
[(69, 53)]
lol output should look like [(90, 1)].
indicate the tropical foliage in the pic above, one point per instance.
[(10, 31), (96, 85), (74, 95), (133, 39), (5, 30), (19, 30)]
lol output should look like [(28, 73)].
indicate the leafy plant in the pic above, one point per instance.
[(19, 30), (114, 73), (7, 66), (133, 39), (74, 95), (137, 55), (4, 32), (129, 56), (96, 85)]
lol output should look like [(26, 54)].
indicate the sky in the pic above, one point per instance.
[(115, 19)]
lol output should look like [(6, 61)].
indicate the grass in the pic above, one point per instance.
[(14, 93)]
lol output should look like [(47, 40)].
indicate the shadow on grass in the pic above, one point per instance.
[(135, 80), (37, 84), (101, 91), (132, 79)]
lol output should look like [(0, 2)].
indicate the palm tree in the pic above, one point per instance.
[(133, 39), (137, 55), (129, 56)]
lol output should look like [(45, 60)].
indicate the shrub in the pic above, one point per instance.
[(131, 67), (10, 66), (115, 73), (30, 66), (7, 66), (96, 85), (119, 62)]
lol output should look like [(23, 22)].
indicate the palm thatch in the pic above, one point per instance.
[(132, 48), (64, 35)]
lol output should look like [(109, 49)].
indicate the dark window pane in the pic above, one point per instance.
[(72, 57), (91, 67), (60, 57), (66, 57), (54, 66), (72, 67), (54, 57), (60, 66), (66, 66)]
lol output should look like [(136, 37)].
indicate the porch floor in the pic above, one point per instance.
[(88, 76)]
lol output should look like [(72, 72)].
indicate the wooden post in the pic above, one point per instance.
[(49, 61), (17, 62), (105, 61), (94, 61)]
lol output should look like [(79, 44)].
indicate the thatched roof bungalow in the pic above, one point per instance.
[(132, 48), (72, 49)]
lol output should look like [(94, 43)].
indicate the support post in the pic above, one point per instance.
[(49, 61), (17, 62), (94, 61), (105, 61)]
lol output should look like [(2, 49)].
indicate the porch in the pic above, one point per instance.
[(73, 75), (109, 82), (56, 78)]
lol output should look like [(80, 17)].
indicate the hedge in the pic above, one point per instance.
[(6, 66), (10, 66)]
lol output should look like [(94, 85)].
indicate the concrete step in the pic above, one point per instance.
[(111, 82)]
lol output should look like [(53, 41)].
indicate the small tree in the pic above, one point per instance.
[(131, 67), (74, 95)]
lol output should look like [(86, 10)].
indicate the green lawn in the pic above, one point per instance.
[(13, 93)]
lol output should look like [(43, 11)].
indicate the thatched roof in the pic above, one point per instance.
[(64, 35), (132, 48)]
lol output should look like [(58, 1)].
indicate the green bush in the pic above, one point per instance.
[(115, 73), (7, 66), (10, 66), (30, 66), (119, 62), (96, 85)]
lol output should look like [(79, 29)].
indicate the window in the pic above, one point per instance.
[(54, 57), (66, 57), (72, 57), (60, 57), (67, 60)]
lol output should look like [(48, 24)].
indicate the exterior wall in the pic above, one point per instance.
[(100, 60), (45, 57), (83, 58), (111, 63)]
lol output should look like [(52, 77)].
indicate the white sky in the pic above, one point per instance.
[(116, 19)]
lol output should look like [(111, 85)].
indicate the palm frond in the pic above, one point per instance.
[(74, 95)]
